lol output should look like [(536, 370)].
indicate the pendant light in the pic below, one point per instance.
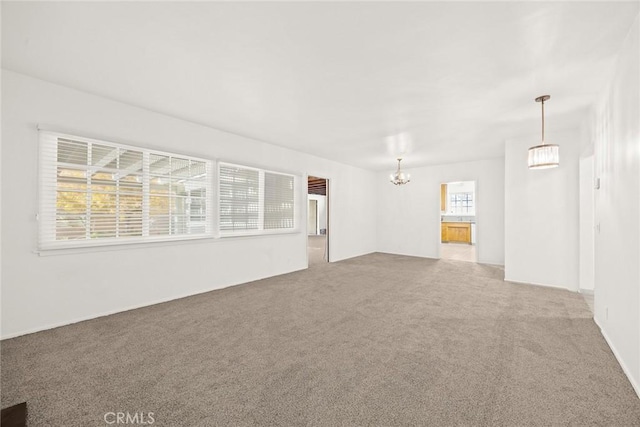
[(399, 177), (544, 156)]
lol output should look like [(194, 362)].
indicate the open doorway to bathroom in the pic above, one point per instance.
[(317, 220), (458, 221)]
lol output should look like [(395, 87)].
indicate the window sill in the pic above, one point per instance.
[(122, 246), (259, 233), (119, 246)]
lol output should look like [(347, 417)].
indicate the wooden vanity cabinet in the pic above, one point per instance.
[(458, 232)]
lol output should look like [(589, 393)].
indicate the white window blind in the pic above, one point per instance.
[(278, 201), (239, 198), (98, 193), (254, 201)]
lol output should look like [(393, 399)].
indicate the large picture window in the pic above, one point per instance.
[(96, 193), (254, 201)]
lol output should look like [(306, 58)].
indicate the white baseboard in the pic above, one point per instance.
[(544, 285), (128, 308), (586, 291), (625, 369), (101, 314)]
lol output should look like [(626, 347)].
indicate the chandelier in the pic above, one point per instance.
[(399, 177), (544, 156)]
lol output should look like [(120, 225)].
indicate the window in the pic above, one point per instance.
[(461, 203), (254, 201), (96, 193)]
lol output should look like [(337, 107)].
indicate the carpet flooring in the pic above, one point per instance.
[(375, 340)]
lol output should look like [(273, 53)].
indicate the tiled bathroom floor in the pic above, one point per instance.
[(458, 252)]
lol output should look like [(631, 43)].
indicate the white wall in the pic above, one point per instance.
[(460, 187), (541, 214), (39, 292), (409, 215), (322, 211), (587, 271), (616, 133)]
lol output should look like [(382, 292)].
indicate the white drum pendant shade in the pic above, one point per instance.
[(544, 156)]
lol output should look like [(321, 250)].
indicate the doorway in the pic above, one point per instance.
[(317, 220), (458, 226)]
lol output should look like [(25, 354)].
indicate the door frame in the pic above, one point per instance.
[(477, 216), (327, 247)]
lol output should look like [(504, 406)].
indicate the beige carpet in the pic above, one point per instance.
[(375, 340)]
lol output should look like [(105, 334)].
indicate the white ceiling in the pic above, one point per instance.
[(353, 82)]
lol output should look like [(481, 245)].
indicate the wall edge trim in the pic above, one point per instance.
[(634, 384), (544, 285)]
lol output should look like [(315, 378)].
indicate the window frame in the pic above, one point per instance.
[(462, 201), (47, 195), (260, 231)]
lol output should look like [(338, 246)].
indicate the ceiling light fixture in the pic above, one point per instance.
[(544, 156), (399, 177)]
